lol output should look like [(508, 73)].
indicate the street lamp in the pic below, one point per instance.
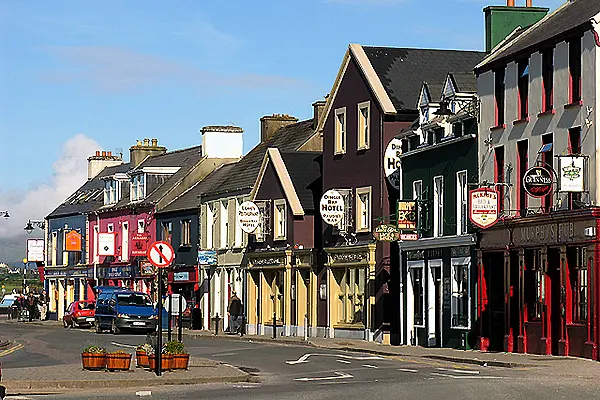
[(25, 262), (4, 214), (30, 225)]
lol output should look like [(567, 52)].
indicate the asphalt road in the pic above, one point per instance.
[(297, 372)]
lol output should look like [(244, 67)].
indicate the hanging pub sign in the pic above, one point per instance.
[(248, 216), (391, 162), (406, 212), (537, 181), (386, 233), (483, 207), (139, 244), (571, 173), (73, 241), (106, 244), (35, 250), (332, 207), (147, 269)]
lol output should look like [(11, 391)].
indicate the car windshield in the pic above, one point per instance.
[(87, 306), (133, 300)]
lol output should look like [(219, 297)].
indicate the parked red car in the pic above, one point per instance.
[(79, 313)]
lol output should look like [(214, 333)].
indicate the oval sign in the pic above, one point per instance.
[(537, 181), (332, 207), (248, 216), (386, 233), (391, 162)]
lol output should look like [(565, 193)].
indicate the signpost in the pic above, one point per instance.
[(537, 182), (392, 164), (484, 204), (332, 207), (161, 255)]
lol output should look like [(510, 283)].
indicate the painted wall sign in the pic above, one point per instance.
[(73, 241), (386, 233), (407, 215), (248, 216), (483, 207), (332, 207), (139, 244), (106, 244), (571, 173), (35, 250), (537, 181), (391, 162), (207, 257)]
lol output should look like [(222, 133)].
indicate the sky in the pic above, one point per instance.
[(81, 76)]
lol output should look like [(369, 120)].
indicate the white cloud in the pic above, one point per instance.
[(69, 173)]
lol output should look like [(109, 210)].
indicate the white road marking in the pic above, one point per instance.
[(339, 375), (344, 361), (370, 366), (466, 377), (305, 357), (143, 393), (129, 346), (224, 354), (460, 371), (414, 371), (246, 386)]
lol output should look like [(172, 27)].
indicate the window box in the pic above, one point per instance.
[(521, 121), (549, 112), (498, 127), (577, 103)]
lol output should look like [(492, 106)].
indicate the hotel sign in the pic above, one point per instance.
[(483, 207), (332, 207)]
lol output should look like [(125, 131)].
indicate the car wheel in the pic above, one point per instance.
[(65, 324), (98, 328), (114, 328), (74, 324)]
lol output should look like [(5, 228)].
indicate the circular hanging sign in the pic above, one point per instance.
[(391, 162), (248, 216), (537, 181), (332, 207)]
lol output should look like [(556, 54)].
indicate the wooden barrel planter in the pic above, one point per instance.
[(180, 361), (166, 361), (93, 361), (118, 361), (141, 359)]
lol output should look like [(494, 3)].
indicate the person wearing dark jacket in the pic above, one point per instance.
[(234, 310)]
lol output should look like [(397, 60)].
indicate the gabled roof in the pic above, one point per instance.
[(304, 169), (395, 75), (465, 82), (572, 14), (90, 196)]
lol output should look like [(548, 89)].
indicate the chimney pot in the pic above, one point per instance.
[(109, 153), (97, 153), (146, 142), (529, 3), (510, 3), (154, 142), (103, 154)]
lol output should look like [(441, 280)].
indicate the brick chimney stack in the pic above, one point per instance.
[(269, 124), (101, 160)]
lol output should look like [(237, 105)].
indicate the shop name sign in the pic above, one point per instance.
[(548, 233), (391, 162), (386, 233), (537, 182), (483, 207), (332, 207), (248, 216), (571, 170)]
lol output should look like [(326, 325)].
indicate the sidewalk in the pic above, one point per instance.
[(476, 357), (58, 378)]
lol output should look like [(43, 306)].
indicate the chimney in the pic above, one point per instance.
[(141, 150), (501, 21), (318, 109), (101, 160), (222, 141), (269, 124)]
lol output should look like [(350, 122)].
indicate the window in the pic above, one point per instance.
[(351, 294), (548, 160), (523, 85), (54, 245), (534, 277), (547, 80), (574, 148), (418, 295), (224, 224), (522, 162), (460, 293), (340, 131), (364, 112), (499, 173), (363, 209), (141, 226), (186, 232), (167, 231), (417, 190), (438, 206), (579, 283), (211, 215), (110, 228), (575, 70), (461, 203), (499, 95), (138, 188), (125, 241), (111, 192), (239, 235), (280, 222), (457, 129)]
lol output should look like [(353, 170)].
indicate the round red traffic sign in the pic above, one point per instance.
[(161, 254)]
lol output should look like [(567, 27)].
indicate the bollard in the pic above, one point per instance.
[(216, 319), (305, 327), (274, 325)]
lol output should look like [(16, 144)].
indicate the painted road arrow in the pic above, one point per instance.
[(304, 358), (339, 375)]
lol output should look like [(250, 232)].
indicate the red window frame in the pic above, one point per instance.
[(575, 70), (548, 80)]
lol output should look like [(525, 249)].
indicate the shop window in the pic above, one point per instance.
[(340, 131), (460, 294), (547, 80), (499, 96), (364, 111), (418, 295), (186, 230), (575, 70), (351, 294), (499, 174), (363, 209), (535, 284), (522, 163), (438, 206), (280, 223), (523, 88), (579, 284), (461, 203)]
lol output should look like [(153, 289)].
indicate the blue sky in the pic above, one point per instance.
[(80, 76)]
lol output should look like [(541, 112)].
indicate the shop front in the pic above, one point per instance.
[(537, 282), (184, 281), (65, 285)]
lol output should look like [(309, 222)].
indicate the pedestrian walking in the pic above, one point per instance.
[(43, 305), (31, 306), (234, 310)]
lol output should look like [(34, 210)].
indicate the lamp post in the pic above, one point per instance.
[(32, 224), (25, 262)]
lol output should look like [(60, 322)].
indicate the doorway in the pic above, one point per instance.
[(494, 316), (554, 312)]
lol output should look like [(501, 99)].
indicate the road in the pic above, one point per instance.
[(298, 372)]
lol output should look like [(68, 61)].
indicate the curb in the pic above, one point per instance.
[(253, 339)]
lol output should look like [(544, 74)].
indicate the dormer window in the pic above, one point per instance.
[(112, 191), (138, 187)]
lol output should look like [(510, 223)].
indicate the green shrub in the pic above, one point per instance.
[(175, 347), (94, 349)]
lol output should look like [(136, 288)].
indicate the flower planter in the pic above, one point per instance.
[(166, 361), (141, 359), (180, 361), (93, 361), (118, 362)]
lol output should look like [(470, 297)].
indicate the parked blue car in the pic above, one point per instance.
[(117, 310)]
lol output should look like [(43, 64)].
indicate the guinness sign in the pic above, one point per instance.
[(537, 181)]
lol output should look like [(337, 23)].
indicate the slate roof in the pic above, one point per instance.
[(304, 169), (570, 15), (243, 176), (466, 81), (90, 196), (402, 71)]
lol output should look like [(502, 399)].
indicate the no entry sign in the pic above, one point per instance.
[(161, 254)]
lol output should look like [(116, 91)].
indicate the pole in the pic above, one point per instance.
[(170, 318), (274, 325), (158, 350), (180, 326), (305, 327)]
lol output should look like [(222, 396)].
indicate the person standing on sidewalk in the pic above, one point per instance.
[(235, 311), (43, 305)]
